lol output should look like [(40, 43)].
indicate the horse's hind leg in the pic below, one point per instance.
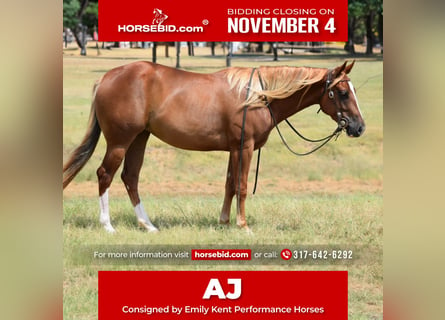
[(130, 176), (105, 173)]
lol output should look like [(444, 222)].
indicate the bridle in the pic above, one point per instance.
[(342, 123)]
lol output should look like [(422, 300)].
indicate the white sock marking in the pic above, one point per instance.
[(143, 218), (104, 218)]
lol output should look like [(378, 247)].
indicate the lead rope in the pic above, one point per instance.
[(256, 171), (325, 139)]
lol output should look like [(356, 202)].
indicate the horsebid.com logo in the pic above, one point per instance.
[(159, 16), (157, 25)]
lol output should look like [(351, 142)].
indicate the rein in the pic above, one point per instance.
[(341, 124)]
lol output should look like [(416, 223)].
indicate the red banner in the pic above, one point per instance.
[(230, 20), (223, 295)]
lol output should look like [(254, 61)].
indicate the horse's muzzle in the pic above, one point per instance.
[(355, 129)]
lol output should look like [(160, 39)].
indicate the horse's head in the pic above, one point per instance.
[(340, 102)]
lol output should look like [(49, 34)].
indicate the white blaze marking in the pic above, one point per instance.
[(351, 87)]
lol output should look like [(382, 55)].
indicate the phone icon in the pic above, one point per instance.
[(286, 254)]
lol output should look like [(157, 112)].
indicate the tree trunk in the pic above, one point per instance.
[(166, 50), (212, 48), (369, 35), (349, 46), (76, 37), (83, 6), (178, 54), (155, 45), (229, 54), (191, 48), (380, 31), (78, 29), (275, 51)]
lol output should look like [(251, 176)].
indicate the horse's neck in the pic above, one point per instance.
[(284, 108)]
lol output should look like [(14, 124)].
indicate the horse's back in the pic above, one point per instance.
[(185, 109)]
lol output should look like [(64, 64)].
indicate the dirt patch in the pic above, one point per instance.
[(90, 189)]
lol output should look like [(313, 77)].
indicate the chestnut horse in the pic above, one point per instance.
[(202, 112)]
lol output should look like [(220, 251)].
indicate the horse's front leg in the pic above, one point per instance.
[(228, 196), (240, 180)]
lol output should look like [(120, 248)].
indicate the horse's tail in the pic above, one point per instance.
[(83, 152)]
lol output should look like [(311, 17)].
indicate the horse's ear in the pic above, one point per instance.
[(348, 68), (339, 70)]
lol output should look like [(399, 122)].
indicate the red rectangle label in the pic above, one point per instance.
[(223, 295), (221, 254), (230, 20)]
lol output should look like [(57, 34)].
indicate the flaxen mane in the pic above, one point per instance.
[(279, 82)]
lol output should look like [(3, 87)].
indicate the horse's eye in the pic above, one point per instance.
[(344, 94)]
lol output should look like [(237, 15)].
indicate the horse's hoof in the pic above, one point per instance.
[(109, 229), (149, 227), (152, 229), (227, 223), (246, 228)]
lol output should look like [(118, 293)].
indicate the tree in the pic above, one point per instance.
[(355, 11), (90, 15), (362, 22), (373, 9), (70, 10), (78, 13)]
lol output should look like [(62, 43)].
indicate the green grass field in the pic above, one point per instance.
[(333, 197)]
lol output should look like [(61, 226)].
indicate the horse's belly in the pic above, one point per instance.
[(191, 122), (191, 137), (198, 142)]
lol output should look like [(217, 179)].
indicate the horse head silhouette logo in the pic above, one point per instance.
[(159, 16)]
